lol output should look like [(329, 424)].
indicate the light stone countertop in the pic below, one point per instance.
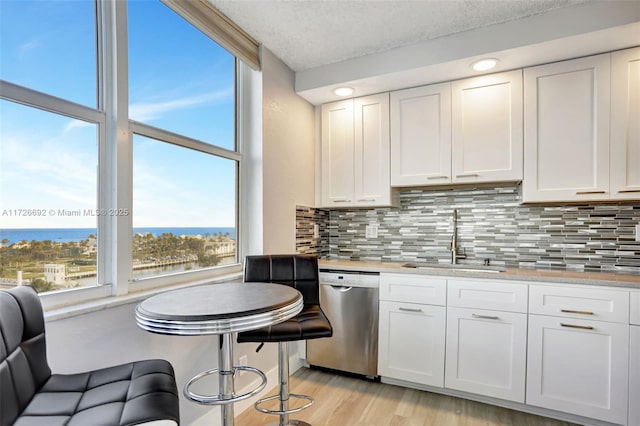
[(516, 274)]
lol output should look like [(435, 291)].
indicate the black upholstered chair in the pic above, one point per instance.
[(300, 272), (30, 395)]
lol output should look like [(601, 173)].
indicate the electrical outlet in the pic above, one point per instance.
[(316, 230), (371, 231), (638, 232), (242, 361)]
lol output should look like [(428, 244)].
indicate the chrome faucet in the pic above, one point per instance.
[(455, 252)]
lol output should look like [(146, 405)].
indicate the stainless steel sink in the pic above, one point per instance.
[(455, 268)]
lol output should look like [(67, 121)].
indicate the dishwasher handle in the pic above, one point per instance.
[(341, 288)]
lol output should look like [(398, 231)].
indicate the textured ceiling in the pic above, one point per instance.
[(310, 33)]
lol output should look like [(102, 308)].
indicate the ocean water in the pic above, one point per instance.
[(65, 235)]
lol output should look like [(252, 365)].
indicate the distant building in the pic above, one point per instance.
[(221, 246), (55, 273)]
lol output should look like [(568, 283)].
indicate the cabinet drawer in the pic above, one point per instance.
[(508, 297), (413, 289), (635, 308), (580, 302)]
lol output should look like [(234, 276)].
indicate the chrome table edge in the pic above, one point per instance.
[(219, 326)]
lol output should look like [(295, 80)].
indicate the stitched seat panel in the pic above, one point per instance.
[(101, 415), (42, 421), (105, 394), (53, 404)]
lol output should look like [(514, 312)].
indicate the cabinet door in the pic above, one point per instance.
[(566, 138), (634, 376), (579, 367), (337, 153), (497, 296), (413, 288), (371, 166), (487, 128), (411, 342), (486, 352), (421, 135), (625, 124)]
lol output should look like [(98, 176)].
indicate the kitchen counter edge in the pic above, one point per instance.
[(608, 279)]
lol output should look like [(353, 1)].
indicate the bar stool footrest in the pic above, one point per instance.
[(281, 412), (218, 399)]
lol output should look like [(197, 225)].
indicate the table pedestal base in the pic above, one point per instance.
[(226, 396)]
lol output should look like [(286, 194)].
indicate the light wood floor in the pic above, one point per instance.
[(348, 401)]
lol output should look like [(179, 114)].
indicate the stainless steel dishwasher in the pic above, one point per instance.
[(350, 301)]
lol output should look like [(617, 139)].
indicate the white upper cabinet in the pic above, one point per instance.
[(421, 135), (355, 152), (625, 124), (487, 128), (337, 153), (566, 139), (467, 131)]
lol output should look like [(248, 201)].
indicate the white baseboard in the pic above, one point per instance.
[(212, 417)]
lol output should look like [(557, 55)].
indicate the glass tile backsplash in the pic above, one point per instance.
[(492, 224)]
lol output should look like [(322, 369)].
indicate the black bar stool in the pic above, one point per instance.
[(300, 272)]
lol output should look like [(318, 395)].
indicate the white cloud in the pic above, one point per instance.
[(148, 111), (75, 124)]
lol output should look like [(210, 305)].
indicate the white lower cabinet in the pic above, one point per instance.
[(553, 348), (411, 342), (486, 352), (634, 375), (579, 367), (634, 360)]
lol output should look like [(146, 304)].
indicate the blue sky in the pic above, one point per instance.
[(179, 80)]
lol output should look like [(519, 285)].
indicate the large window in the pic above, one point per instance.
[(184, 195), (184, 204), (48, 166), (92, 194)]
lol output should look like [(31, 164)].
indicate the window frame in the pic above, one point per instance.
[(115, 163)]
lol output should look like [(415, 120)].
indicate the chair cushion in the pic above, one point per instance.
[(126, 394), (310, 323)]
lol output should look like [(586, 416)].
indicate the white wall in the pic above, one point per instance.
[(288, 154)]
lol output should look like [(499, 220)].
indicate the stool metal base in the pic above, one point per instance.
[(288, 410), (284, 395), (291, 423)]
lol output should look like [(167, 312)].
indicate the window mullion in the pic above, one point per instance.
[(116, 168)]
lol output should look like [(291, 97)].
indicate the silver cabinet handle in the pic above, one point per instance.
[(410, 309), (581, 327), (571, 311), (366, 199), (491, 317), (437, 177), (590, 192), (342, 201), (467, 175), (623, 191)]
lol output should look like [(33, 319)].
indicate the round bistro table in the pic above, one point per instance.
[(221, 309)]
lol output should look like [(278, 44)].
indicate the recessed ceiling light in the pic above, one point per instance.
[(484, 64), (343, 91)]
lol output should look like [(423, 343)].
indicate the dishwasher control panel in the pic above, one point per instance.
[(349, 278)]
